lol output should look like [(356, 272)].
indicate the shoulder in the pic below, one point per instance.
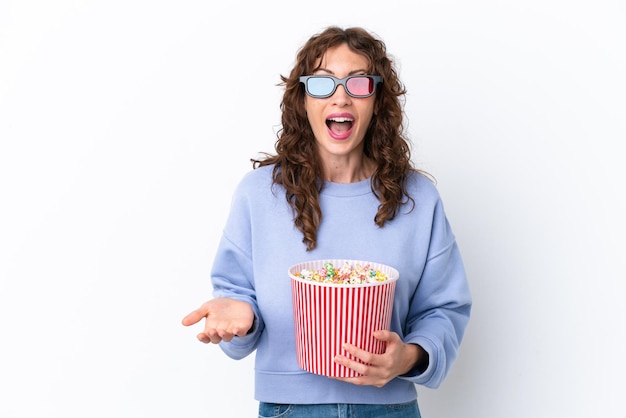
[(257, 176), (256, 181), (421, 187)]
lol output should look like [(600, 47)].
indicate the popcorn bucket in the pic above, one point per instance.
[(327, 315)]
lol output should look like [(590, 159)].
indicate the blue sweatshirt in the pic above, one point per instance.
[(260, 242)]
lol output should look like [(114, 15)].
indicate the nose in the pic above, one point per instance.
[(341, 96)]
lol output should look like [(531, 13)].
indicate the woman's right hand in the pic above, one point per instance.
[(225, 318)]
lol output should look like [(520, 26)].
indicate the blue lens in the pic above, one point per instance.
[(320, 86)]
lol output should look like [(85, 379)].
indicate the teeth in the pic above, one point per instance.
[(341, 119)]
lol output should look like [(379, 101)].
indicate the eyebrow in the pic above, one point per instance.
[(353, 72)]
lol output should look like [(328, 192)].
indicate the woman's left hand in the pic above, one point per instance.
[(378, 369)]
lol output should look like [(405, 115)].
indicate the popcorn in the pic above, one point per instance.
[(346, 274), (338, 301)]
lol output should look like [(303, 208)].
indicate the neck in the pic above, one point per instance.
[(346, 174)]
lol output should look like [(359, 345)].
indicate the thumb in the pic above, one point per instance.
[(193, 317), (385, 335)]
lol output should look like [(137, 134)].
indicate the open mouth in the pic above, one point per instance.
[(339, 126)]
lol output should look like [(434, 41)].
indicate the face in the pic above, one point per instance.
[(340, 121)]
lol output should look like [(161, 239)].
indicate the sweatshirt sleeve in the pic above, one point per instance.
[(440, 309), (232, 273)]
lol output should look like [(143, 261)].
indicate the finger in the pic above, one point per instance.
[(391, 340), (364, 356), (202, 337), (366, 374), (219, 335), (353, 380), (209, 336), (194, 317), (226, 336), (240, 332), (357, 366), (385, 335)]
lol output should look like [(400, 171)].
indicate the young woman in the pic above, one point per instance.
[(340, 184)]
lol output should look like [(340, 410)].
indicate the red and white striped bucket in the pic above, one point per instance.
[(328, 315)]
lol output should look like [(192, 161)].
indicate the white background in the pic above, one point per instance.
[(125, 125)]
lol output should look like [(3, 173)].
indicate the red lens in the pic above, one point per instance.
[(360, 86)]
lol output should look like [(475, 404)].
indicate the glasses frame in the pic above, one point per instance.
[(340, 82)]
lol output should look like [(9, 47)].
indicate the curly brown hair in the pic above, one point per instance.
[(297, 166)]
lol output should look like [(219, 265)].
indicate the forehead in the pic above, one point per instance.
[(342, 56)]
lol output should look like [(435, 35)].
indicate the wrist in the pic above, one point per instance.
[(419, 359), (421, 364)]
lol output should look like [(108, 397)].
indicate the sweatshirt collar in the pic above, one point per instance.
[(347, 189)]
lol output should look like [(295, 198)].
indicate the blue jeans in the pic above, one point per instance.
[(402, 410)]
